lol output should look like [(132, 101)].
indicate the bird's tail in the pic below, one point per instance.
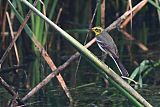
[(120, 66)]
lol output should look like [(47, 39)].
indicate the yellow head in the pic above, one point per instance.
[(97, 30)]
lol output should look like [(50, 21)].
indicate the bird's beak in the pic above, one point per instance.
[(92, 29)]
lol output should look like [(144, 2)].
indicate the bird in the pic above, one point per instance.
[(108, 46)]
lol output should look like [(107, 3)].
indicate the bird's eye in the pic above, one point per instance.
[(96, 30)]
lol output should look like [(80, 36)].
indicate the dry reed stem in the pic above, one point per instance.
[(12, 36), (127, 20), (130, 37)]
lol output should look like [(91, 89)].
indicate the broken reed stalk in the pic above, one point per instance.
[(15, 97), (103, 68), (7, 87)]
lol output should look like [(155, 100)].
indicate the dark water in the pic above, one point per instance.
[(88, 95)]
